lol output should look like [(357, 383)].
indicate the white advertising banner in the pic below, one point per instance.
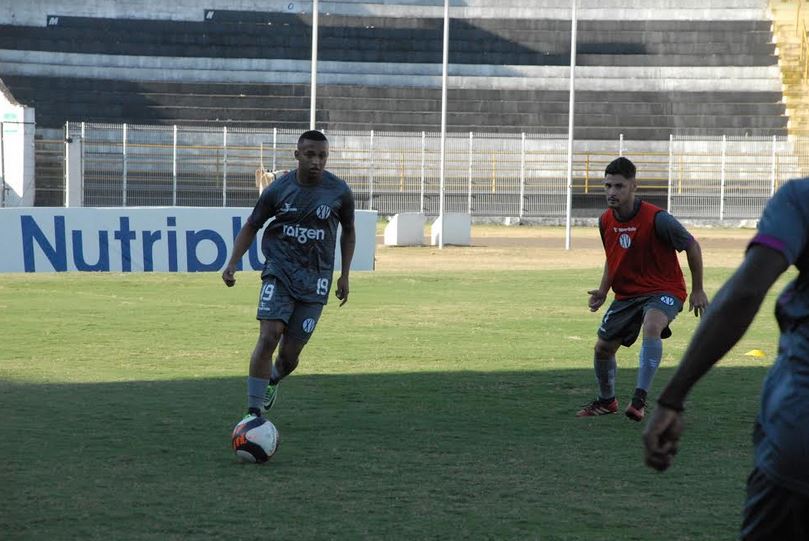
[(133, 239)]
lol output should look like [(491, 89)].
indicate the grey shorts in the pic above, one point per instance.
[(624, 318), (275, 302)]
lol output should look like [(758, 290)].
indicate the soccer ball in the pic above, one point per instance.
[(255, 440)]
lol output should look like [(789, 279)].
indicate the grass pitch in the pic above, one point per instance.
[(431, 406)]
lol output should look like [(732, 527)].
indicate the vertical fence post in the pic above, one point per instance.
[(174, 167), (620, 144), (3, 163), (82, 162), (224, 166), (522, 175), (371, 176), (423, 152), (722, 180), (469, 202), (123, 186), (671, 174), (774, 168), (274, 147)]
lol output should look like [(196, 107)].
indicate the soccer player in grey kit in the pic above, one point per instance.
[(307, 205), (777, 505)]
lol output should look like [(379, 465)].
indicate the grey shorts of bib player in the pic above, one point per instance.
[(275, 302), (624, 319)]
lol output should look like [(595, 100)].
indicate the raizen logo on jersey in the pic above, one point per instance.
[(304, 234), (53, 243)]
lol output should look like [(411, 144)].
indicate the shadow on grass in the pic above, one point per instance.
[(394, 456)]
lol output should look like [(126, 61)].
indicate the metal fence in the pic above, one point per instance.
[(517, 175)]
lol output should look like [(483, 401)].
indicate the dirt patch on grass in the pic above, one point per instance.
[(497, 247)]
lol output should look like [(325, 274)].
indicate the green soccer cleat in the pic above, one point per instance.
[(269, 397)]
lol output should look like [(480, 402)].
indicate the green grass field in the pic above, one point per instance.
[(431, 406)]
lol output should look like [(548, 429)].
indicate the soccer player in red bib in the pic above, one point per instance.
[(641, 242)]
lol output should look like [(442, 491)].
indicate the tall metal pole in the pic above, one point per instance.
[(570, 124), (444, 63), (313, 90)]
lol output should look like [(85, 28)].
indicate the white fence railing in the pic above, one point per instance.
[(517, 175)]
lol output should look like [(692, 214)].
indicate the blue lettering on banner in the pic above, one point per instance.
[(171, 221), (193, 238), (149, 238), (124, 234), (103, 263), (31, 232), (60, 245)]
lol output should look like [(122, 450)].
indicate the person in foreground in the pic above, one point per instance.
[(641, 242), (777, 504), (307, 205)]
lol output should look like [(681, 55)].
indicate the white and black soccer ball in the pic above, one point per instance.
[(255, 440)]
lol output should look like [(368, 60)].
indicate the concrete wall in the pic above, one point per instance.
[(211, 70), (17, 157), (36, 12)]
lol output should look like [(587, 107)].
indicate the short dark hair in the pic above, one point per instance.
[(621, 166), (312, 135)]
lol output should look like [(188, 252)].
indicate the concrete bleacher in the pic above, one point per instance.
[(645, 71)]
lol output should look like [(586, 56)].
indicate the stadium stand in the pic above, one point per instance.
[(645, 73)]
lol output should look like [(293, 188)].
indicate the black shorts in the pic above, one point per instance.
[(624, 318), (275, 302), (772, 512)]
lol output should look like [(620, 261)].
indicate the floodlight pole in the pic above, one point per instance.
[(444, 62), (313, 84), (571, 124)]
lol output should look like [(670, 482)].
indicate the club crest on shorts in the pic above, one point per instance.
[(665, 299), (308, 325), (323, 212), (625, 240)]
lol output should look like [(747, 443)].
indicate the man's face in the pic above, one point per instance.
[(620, 191), (312, 156)]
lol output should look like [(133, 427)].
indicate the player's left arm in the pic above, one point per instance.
[(698, 300), (671, 231), (348, 241)]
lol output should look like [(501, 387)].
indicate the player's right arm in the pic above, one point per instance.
[(263, 211), (598, 296), (241, 244)]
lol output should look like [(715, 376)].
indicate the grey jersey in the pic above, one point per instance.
[(299, 243), (783, 452)]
